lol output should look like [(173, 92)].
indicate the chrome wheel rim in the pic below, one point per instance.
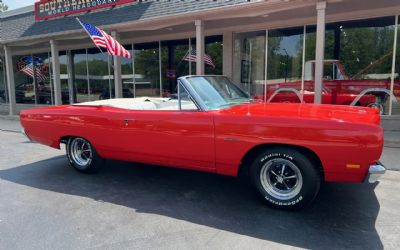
[(281, 179), (81, 152)]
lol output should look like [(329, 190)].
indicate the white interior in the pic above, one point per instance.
[(142, 103)]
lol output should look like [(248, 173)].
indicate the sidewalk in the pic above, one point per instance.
[(11, 123)]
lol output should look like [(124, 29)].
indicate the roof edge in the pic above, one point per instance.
[(16, 12)]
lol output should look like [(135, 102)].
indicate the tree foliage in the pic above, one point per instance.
[(3, 6)]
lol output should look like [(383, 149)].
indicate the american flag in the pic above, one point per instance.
[(191, 56), (28, 69), (103, 40)]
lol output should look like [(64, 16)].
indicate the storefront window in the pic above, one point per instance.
[(178, 59), (396, 82), (127, 74), (79, 75), (249, 62), (101, 75), (285, 60), (214, 55), (32, 79), (147, 69), (44, 79), (358, 61), (64, 77), (174, 63), (3, 83), (192, 64)]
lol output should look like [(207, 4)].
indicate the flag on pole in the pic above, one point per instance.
[(28, 69), (191, 56), (103, 40)]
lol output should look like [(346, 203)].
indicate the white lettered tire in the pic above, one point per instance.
[(286, 178)]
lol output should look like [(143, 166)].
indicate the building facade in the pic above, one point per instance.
[(344, 52)]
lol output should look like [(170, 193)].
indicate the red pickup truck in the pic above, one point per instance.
[(338, 88)]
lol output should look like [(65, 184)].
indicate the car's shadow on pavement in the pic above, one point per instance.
[(342, 216)]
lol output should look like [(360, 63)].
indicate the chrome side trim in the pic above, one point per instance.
[(375, 172)]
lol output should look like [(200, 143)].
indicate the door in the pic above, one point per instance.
[(173, 138)]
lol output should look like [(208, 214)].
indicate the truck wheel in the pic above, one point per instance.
[(82, 156), (286, 178)]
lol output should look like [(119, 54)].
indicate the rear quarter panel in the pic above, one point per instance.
[(48, 125)]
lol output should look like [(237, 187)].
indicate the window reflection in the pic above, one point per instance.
[(79, 76), (357, 65), (173, 64), (214, 50), (127, 74), (358, 61), (285, 61), (396, 82), (32, 79), (249, 63), (64, 77), (101, 75), (147, 69), (3, 83)]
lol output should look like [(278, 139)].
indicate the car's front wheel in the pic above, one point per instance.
[(286, 178), (82, 155)]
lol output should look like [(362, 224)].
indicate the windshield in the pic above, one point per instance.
[(218, 92)]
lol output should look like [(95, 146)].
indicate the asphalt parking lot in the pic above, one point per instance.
[(44, 204)]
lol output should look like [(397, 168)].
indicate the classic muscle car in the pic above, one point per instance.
[(285, 149)]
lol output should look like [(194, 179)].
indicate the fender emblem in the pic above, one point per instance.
[(231, 139)]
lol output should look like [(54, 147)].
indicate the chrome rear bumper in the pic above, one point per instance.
[(375, 172)]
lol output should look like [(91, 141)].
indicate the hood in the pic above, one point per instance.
[(324, 112)]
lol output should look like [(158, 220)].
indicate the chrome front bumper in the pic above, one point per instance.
[(375, 172)]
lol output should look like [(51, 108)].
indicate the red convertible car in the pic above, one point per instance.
[(286, 149)]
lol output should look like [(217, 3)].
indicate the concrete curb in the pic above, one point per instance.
[(10, 117)]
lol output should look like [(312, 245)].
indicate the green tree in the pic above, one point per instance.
[(3, 6), (359, 48)]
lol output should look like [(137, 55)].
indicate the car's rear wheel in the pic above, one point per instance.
[(285, 178), (82, 155)]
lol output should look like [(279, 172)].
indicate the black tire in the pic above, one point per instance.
[(293, 189), (82, 156)]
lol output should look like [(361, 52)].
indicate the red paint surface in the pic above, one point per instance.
[(217, 141)]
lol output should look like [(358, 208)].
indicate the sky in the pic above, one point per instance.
[(15, 4)]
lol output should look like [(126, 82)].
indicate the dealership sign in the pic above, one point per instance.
[(46, 9)]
